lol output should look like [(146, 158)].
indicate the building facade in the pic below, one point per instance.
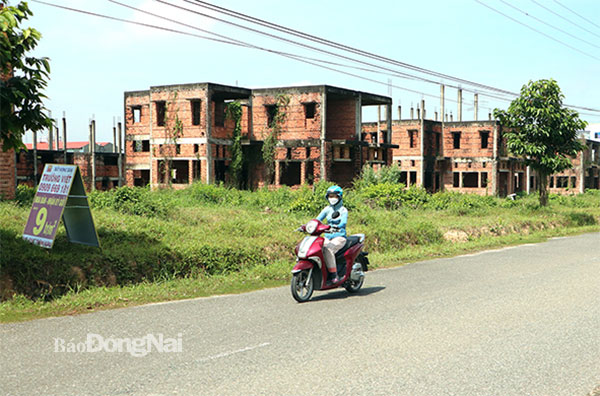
[(178, 134)]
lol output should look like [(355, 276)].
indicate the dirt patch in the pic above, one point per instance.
[(456, 236)]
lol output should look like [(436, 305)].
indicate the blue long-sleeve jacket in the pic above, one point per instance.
[(339, 222)]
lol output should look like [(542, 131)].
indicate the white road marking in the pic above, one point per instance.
[(229, 353)]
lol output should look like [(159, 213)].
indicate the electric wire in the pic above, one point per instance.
[(548, 24), (226, 40), (566, 19), (536, 30), (580, 16), (354, 50), (512, 94)]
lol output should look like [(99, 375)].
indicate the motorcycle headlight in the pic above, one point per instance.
[(311, 226)]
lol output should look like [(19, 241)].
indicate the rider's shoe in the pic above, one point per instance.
[(332, 278)]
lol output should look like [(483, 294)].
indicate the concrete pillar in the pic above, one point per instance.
[(476, 103), (412, 113), (114, 136), (358, 117), (388, 121), (209, 159), (64, 133), (323, 157), (495, 161), (418, 112), (442, 101), (422, 142), (459, 113), (451, 117), (581, 172), (51, 136), (303, 173), (527, 176), (378, 124), (121, 154), (399, 112), (93, 154), (277, 173)]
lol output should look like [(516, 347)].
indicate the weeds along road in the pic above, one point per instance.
[(517, 321)]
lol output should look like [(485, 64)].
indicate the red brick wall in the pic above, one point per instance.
[(7, 173), (341, 119), (297, 126)]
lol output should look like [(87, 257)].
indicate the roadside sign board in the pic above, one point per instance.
[(60, 193)]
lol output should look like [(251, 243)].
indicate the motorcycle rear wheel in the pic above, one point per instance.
[(302, 286), (354, 286)]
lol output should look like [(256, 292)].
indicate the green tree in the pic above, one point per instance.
[(22, 78), (542, 131)]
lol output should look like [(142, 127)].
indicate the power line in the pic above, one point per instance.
[(548, 24), (580, 16), (307, 60), (535, 30), (227, 40), (566, 19), (354, 50)]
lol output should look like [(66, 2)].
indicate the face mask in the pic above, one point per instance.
[(333, 200)]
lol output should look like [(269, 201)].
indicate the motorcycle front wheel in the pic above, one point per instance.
[(302, 286)]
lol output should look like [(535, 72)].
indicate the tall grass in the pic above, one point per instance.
[(213, 230)]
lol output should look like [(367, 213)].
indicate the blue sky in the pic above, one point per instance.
[(95, 60)]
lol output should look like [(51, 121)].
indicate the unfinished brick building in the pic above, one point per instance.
[(471, 157), (177, 134)]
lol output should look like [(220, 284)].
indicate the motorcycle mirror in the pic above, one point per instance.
[(335, 215)]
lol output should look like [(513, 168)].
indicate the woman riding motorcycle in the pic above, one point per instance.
[(337, 216)]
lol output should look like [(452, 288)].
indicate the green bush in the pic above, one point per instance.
[(132, 200), (24, 195)]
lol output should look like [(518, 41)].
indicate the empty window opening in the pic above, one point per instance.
[(412, 162), (413, 178), (220, 113), (309, 110), (271, 114), (141, 178), (137, 114), (562, 182), (307, 152), (484, 164), (403, 177), (178, 148), (196, 168), (196, 148), (310, 172), (141, 146), (411, 138), (288, 154), (456, 140), (160, 113), (456, 179), (484, 139), (470, 179), (551, 183), (195, 103), (484, 179), (573, 183), (290, 173)]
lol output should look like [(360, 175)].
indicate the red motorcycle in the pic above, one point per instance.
[(310, 271)]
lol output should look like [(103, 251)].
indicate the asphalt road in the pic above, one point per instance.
[(517, 321)]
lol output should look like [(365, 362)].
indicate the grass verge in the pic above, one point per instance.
[(21, 308)]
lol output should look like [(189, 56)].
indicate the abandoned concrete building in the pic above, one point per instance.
[(180, 133), (323, 138), (471, 157)]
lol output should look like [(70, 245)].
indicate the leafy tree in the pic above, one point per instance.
[(22, 78), (542, 131)]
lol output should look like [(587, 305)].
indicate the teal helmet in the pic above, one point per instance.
[(337, 190)]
